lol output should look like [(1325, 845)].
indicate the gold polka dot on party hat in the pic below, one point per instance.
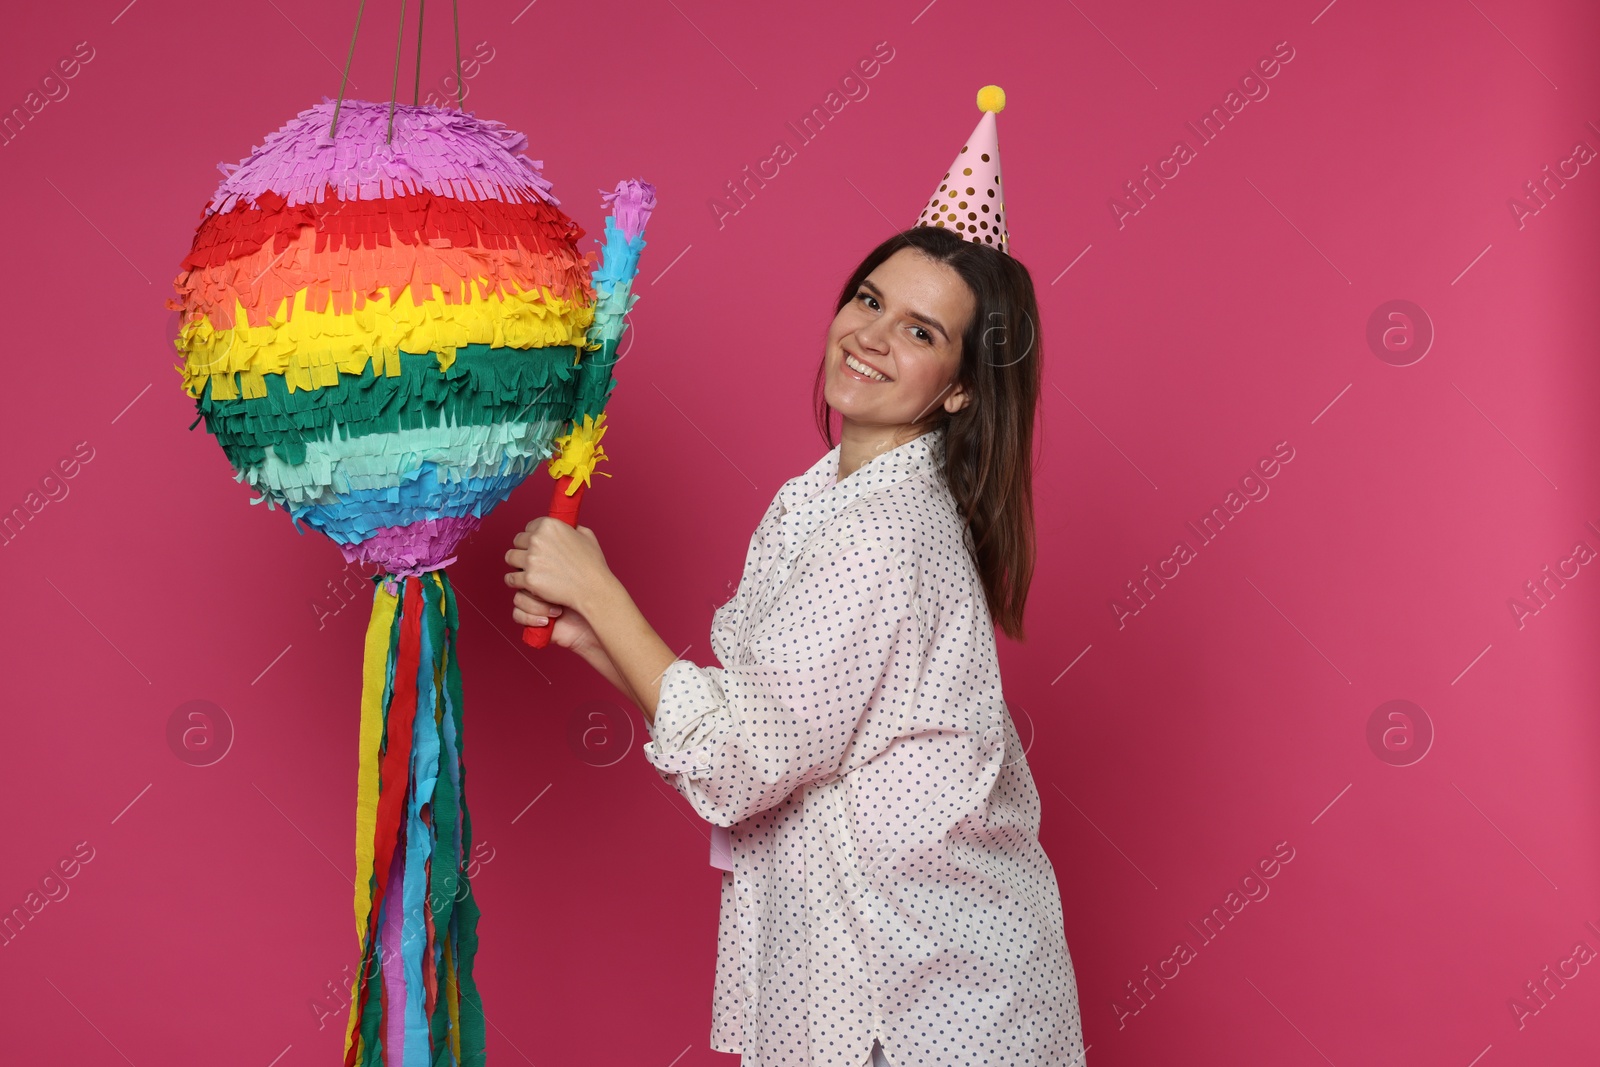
[(968, 170)]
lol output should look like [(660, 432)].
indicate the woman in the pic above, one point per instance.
[(889, 898)]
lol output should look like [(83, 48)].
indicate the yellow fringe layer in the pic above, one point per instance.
[(312, 348), (580, 451)]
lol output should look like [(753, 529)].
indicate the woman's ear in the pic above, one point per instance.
[(956, 399)]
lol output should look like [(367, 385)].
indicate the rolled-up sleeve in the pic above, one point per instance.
[(842, 642)]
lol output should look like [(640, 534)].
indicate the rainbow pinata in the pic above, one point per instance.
[(384, 333), (387, 330)]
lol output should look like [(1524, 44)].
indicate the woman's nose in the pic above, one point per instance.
[(872, 338)]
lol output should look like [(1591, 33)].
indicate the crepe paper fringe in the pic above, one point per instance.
[(271, 224), (415, 548), (266, 285), (424, 495), (434, 149), (482, 386), (261, 282), (348, 467), (370, 474), (580, 451), (396, 452), (363, 514), (311, 349), (414, 1002), (376, 677), (260, 255), (631, 203)]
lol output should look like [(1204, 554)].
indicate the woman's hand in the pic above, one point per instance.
[(557, 564), (570, 630)]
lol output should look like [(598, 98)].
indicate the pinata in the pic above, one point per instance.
[(387, 324)]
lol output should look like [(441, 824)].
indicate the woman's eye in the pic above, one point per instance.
[(872, 302)]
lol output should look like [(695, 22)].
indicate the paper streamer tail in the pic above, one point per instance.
[(565, 508), (414, 1002)]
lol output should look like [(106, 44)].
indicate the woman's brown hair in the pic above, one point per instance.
[(988, 444)]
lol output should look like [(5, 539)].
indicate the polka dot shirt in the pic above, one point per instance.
[(887, 879)]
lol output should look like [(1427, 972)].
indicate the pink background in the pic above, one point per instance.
[(1230, 714)]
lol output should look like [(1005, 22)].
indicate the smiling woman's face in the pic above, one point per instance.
[(905, 322)]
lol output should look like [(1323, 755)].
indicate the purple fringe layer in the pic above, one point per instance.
[(631, 202), (447, 152), (413, 549)]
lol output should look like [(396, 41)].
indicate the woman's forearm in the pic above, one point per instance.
[(632, 644), (595, 656)]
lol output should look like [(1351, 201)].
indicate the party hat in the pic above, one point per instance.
[(970, 198)]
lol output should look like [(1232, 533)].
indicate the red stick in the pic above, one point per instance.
[(565, 508)]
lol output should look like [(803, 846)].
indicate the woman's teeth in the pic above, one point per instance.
[(861, 368)]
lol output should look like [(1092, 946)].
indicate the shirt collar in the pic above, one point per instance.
[(813, 498)]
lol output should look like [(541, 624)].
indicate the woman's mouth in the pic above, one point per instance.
[(857, 369)]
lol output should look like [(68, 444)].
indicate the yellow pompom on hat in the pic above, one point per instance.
[(970, 198)]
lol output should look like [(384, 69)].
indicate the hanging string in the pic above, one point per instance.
[(461, 91), (394, 90), (346, 76), (416, 90)]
